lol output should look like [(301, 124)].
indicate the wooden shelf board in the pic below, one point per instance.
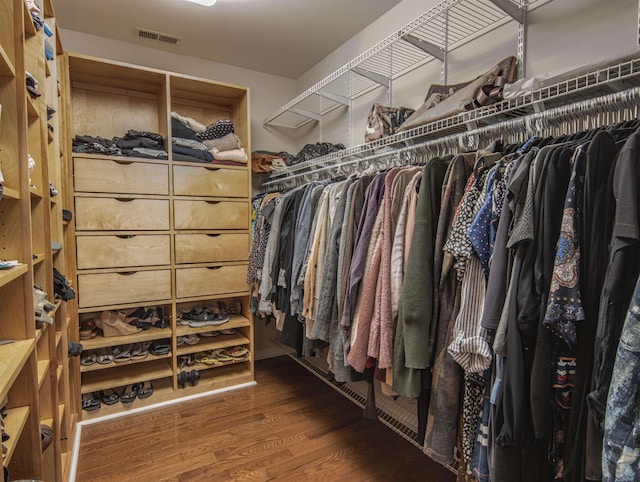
[(32, 109), (12, 358), (201, 366), (94, 309), (53, 201), (160, 394), (212, 297), (38, 259), (43, 370), (9, 193), (141, 372), (124, 158), (58, 338), (222, 341), (47, 421), (6, 66), (100, 366), (15, 420), (58, 304), (29, 26), (235, 321), (145, 335), (40, 331), (61, 410), (8, 275), (59, 371), (47, 69)]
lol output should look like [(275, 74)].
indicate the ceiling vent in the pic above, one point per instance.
[(157, 36)]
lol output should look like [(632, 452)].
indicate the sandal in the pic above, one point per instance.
[(193, 376), (88, 358), (192, 339), (105, 356), (122, 353), (90, 403), (129, 394), (160, 347), (140, 351), (222, 355), (209, 359), (109, 396), (144, 392), (238, 351), (182, 379)]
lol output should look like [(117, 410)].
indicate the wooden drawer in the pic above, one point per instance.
[(120, 176), (104, 289), (123, 214), (210, 181), (211, 214), (207, 248), (123, 251), (191, 282)]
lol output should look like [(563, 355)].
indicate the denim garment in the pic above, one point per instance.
[(621, 452)]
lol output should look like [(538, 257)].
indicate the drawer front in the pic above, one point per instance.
[(207, 248), (113, 214), (191, 282), (126, 287), (120, 176), (123, 251), (210, 181), (211, 214)]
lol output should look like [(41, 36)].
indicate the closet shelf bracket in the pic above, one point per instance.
[(306, 113), (513, 10), (427, 47), (377, 78), (339, 99)]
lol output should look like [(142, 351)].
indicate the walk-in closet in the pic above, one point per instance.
[(375, 240)]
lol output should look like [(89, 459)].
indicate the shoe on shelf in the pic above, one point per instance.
[(46, 436), (145, 390), (193, 377), (109, 396), (74, 349), (90, 403), (129, 394), (113, 324), (88, 358)]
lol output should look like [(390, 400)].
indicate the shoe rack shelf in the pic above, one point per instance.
[(221, 341), (145, 335), (131, 361), (142, 372), (34, 376), (162, 232)]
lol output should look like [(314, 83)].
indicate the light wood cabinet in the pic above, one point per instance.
[(157, 233), (34, 364)]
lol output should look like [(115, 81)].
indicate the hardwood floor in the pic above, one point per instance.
[(289, 427)]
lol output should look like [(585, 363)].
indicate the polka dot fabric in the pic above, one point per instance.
[(216, 130)]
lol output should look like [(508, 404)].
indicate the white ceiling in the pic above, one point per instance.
[(280, 37)]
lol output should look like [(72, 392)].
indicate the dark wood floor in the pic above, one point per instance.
[(289, 427)]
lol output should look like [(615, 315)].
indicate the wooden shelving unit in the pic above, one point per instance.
[(34, 365), (162, 233)]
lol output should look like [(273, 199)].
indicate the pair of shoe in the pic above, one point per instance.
[(146, 318), (186, 360), (136, 390), (190, 377), (191, 339)]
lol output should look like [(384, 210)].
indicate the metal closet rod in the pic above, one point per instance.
[(529, 124)]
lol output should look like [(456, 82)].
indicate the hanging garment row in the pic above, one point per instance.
[(491, 285)]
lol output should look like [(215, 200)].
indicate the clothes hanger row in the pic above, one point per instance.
[(584, 115)]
